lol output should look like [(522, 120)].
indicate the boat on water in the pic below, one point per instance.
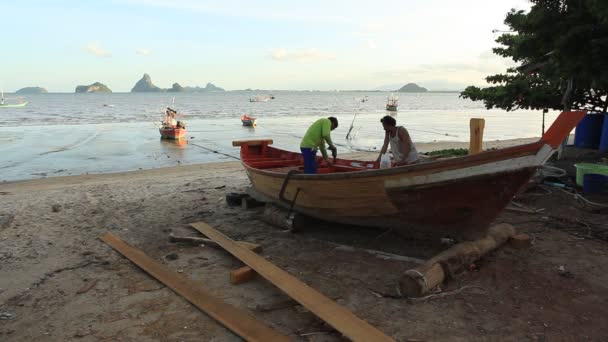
[(259, 99), (171, 128), (5, 104), (248, 120), (392, 103), (456, 197)]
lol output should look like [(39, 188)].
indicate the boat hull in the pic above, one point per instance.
[(17, 105), (172, 133), (457, 197)]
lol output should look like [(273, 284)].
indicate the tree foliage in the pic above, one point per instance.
[(556, 41)]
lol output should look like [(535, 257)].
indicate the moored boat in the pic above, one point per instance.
[(456, 197), (170, 127), (248, 120), (259, 99), (392, 103), (4, 104)]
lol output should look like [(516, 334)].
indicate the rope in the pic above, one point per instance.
[(214, 151)]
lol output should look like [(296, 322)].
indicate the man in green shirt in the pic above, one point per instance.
[(317, 134)]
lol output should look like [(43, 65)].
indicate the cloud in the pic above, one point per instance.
[(302, 55), (97, 50), (143, 52)]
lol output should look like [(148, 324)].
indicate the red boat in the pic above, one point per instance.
[(172, 132), (456, 197), (248, 120)]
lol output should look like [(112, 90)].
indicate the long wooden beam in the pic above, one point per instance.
[(237, 320), (326, 309)]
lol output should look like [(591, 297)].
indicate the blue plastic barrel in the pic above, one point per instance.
[(604, 139), (589, 131), (594, 183)]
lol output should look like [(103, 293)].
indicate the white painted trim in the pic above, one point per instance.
[(489, 168)]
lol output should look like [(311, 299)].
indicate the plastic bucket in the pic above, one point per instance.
[(604, 139), (584, 168), (589, 131), (594, 183)]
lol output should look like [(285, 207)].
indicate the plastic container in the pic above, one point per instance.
[(594, 183), (385, 161), (603, 147), (589, 131), (583, 168)]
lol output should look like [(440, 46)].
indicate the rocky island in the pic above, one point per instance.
[(412, 88), (31, 90), (93, 88), (145, 85)]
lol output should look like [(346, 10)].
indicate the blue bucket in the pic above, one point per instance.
[(589, 131), (604, 139), (594, 183)]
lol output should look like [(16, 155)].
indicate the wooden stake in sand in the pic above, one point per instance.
[(239, 321), (329, 311), (417, 281)]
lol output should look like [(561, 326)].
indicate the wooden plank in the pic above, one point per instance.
[(329, 311), (237, 320)]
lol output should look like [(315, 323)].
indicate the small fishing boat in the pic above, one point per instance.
[(259, 99), (248, 120), (392, 103), (456, 197), (171, 128), (4, 104)]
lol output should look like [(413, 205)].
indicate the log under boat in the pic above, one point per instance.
[(456, 197)]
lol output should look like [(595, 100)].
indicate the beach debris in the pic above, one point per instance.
[(172, 256), (235, 198), (87, 286), (237, 320), (6, 315), (561, 270), (56, 208)]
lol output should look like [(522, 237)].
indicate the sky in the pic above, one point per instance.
[(291, 45)]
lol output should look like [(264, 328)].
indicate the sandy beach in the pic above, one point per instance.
[(50, 255)]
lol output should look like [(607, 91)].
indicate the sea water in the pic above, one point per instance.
[(68, 134)]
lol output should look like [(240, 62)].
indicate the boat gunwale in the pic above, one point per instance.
[(439, 165)]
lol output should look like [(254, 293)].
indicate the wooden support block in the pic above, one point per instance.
[(520, 241), (249, 202), (241, 275), (476, 143)]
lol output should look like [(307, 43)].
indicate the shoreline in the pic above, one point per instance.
[(186, 168)]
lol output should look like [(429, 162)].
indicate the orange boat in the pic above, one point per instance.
[(172, 132), (248, 120), (456, 197)]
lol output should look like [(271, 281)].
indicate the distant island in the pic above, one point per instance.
[(31, 90), (145, 85), (412, 88), (210, 87), (93, 88)]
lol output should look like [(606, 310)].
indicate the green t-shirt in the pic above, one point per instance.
[(317, 134)]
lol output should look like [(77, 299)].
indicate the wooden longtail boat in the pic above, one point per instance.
[(167, 132), (456, 197)]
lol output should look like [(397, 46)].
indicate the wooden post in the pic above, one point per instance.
[(476, 143)]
